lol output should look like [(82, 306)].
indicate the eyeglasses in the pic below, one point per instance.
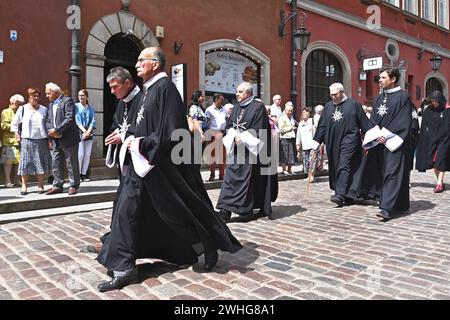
[(140, 60), (334, 94)]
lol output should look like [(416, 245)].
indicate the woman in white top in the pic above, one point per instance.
[(287, 126), (28, 124), (305, 134)]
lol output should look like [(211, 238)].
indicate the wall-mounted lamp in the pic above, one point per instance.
[(299, 40), (177, 47), (301, 35), (436, 59)]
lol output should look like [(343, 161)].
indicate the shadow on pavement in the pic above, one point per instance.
[(282, 211)]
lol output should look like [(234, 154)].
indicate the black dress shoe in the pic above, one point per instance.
[(225, 215), (247, 217), (211, 258), (118, 283), (338, 201), (384, 214)]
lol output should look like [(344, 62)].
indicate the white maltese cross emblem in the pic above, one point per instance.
[(382, 110), (140, 115), (337, 115)]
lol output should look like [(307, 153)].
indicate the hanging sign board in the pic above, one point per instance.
[(178, 72), (373, 63)]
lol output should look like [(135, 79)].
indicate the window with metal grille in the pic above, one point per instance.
[(322, 69), (432, 84)]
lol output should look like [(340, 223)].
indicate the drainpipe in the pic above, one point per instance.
[(75, 69)]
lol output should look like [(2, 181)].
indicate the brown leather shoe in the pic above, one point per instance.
[(54, 191), (72, 191)]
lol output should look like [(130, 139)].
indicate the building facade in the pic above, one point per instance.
[(349, 35), (212, 45)]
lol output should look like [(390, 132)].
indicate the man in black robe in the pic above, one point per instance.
[(249, 182), (340, 127), (163, 210), (122, 86), (386, 172), (434, 140)]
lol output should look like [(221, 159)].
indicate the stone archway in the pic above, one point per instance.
[(339, 54), (439, 76), (117, 23), (244, 49)]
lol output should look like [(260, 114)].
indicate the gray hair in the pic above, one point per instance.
[(247, 86), (161, 56), (119, 74), (52, 87), (337, 86), (276, 97), (15, 98)]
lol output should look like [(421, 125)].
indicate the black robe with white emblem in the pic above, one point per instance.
[(340, 128), (167, 214), (249, 183), (386, 173)]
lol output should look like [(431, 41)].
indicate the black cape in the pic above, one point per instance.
[(249, 183), (340, 128), (386, 174), (434, 140), (167, 214)]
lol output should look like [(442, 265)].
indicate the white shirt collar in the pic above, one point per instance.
[(393, 90), (152, 80), (132, 94)]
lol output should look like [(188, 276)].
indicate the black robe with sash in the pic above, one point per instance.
[(167, 214), (249, 182), (386, 173), (340, 128)]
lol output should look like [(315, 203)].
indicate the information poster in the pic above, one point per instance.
[(179, 79), (224, 70)]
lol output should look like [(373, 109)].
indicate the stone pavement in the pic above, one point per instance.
[(310, 251)]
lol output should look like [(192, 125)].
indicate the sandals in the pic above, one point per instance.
[(439, 188)]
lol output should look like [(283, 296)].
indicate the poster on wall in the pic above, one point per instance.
[(178, 72), (224, 70)]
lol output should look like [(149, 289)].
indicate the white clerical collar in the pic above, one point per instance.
[(343, 99), (152, 80), (246, 101), (132, 94), (393, 90)]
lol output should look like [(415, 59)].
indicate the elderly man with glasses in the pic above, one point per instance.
[(340, 127)]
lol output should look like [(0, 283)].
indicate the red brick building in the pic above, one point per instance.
[(221, 43)]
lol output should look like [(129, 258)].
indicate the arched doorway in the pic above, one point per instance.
[(122, 51), (432, 84), (322, 69), (104, 51)]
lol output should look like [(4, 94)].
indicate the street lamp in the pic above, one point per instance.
[(436, 61), (300, 39)]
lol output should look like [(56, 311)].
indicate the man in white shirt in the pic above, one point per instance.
[(275, 109), (217, 118)]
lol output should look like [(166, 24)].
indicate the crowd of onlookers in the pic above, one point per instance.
[(38, 140)]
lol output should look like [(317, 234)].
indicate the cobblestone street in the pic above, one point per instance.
[(310, 251)]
